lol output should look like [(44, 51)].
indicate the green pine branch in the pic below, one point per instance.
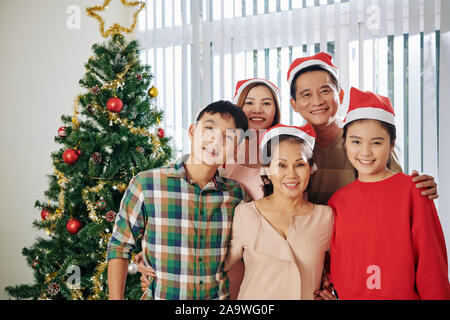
[(111, 154)]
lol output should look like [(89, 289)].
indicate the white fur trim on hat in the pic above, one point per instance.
[(288, 131), (313, 62), (272, 87), (370, 113)]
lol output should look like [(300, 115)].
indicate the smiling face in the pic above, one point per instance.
[(259, 107), (317, 99), (214, 139), (368, 147), (289, 169)]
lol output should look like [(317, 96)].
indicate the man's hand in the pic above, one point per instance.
[(426, 181)]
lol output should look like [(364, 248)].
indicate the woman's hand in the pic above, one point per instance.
[(327, 292), (426, 181), (144, 270), (324, 295)]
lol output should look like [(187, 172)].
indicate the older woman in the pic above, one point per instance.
[(282, 237)]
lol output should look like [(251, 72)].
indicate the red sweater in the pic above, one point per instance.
[(387, 242)]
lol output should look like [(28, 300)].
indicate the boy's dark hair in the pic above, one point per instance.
[(392, 131), (227, 109), (309, 69), (266, 158)]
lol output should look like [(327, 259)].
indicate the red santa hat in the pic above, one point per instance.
[(321, 59), (241, 85), (369, 105), (306, 133)]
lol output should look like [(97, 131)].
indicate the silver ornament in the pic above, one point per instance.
[(132, 268)]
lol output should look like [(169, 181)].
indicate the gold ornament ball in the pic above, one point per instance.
[(153, 92)]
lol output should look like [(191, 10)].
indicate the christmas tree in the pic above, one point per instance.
[(112, 135)]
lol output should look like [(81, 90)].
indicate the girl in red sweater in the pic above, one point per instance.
[(387, 240)]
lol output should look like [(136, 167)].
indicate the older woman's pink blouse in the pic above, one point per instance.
[(278, 268)]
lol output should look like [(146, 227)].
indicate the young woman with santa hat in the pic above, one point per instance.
[(260, 100), (387, 241)]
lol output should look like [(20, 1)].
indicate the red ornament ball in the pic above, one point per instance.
[(114, 105), (70, 156), (161, 133), (44, 214), (73, 225), (62, 132)]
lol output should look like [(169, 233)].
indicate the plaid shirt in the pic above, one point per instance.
[(185, 231)]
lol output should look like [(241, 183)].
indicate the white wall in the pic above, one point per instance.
[(41, 62)]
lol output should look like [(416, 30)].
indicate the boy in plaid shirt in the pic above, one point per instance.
[(184, 212)]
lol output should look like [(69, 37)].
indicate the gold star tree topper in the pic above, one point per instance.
[(115, 28)]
